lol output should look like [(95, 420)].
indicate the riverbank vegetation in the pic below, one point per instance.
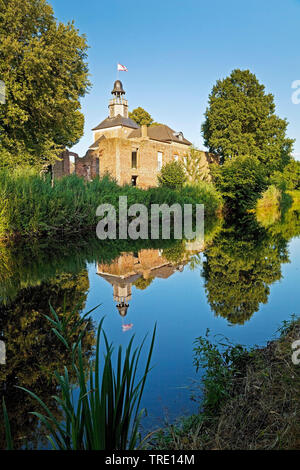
[(105, 414), (251, 398), (31, 207)]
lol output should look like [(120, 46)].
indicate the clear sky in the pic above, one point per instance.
[(175, 50)]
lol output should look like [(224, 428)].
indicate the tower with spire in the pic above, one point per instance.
[(118, 105)]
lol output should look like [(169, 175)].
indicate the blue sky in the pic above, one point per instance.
[(176, 50)]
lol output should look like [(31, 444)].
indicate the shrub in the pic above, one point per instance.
[(240, 181), (289, 178), (172, 175)]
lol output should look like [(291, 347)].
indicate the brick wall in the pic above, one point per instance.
[(114, 157), (88, 166)]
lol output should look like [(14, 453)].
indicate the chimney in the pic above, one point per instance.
[(144, 131)]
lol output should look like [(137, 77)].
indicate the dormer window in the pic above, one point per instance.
[(179, 135)]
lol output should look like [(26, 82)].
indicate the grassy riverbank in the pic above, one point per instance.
[(31, 207), (251, 399)]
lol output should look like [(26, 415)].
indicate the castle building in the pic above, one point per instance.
[(132, 154), (127, 152)]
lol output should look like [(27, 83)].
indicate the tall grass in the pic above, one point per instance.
[(106, 413), (30, 206)]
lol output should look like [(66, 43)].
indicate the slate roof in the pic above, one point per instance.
[(95, 145), (161, 133), (116, 121)]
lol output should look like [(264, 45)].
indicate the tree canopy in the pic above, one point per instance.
[(240, 120), (43, 65), (141, 117)]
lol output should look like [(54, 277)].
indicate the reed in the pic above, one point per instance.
[(31, 207), (102, 411)]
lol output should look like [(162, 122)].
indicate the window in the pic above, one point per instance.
[(133, 180), (134, 159), (176, 158), (159, 160)]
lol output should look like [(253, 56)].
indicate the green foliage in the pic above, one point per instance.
[(245, 393), (240, 181), (43, 65), (243, 261), (272, 196), (141, 117), (141, 283), (107, 413), (195, 166), (289, 178), (28, 341), (240, 120), (172, 175), (176, 253), (31, 207), (221, 362)]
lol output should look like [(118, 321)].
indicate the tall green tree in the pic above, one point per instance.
[(240, 120), (141, 117), (43, 65)]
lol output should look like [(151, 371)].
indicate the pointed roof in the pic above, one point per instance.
[(161, 133), (117, 121)]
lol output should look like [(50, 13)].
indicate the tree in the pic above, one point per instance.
[(195, 166), (289, 178), (240, 120), (172, 175), (241, 181), (239, 267), (43, 65), (141, 117)]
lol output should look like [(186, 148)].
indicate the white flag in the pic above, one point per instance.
[(122, 68)]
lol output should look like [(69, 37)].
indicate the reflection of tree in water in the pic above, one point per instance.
[(33, 352), (243, 262), (143, 283)]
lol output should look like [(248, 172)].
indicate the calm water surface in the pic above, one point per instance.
[(242, 285)]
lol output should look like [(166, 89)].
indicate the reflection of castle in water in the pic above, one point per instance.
[(135, 268)]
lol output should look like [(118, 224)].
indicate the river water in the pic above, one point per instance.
[(241, 284)]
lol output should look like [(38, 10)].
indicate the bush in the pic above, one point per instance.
[(289, 178), (240, 181), (172, 175)]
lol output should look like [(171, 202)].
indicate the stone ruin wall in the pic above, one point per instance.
[(87, 167)]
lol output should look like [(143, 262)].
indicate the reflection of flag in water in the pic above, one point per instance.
[(127, 327), (2, 92)]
